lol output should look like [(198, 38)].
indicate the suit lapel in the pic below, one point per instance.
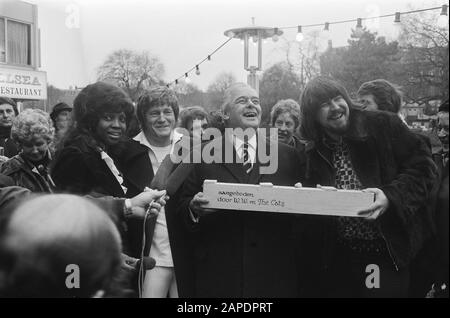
[(159, 181), (255, 176), (236, 169), (136, 166)]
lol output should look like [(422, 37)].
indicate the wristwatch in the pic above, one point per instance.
[(127, 208)]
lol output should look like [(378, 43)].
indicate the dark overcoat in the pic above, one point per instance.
[(241, 253)]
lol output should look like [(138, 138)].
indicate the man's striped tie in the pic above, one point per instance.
[(248, 165)]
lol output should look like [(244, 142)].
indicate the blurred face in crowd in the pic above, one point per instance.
[(160, 122), (34, 149), (286, 127), (7, 115), (197, 125), (63, 120), (244, 110), (334, 115), (111, 128), (368, 102), (443, 128)]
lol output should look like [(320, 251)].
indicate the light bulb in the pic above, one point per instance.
[(275, 35), (326, 31), (359, 32), (299, 37), (442, 21), (187, 80), (359, 28), (395, 32)]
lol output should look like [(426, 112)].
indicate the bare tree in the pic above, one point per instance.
[(190, 95), (425, 57), (133, 71), (217, 88), (304, 58)]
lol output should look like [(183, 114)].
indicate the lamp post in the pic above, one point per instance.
[(257, 34)]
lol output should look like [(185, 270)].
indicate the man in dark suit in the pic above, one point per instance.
[(239, 253)]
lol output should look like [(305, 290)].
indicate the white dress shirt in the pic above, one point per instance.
[(160, 250), (239, 147)]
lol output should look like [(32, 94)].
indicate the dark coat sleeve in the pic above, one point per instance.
[(11, 196), (192, 185), (114, 207), (442, 221), (70, 172), (416, 172), (5, 181)]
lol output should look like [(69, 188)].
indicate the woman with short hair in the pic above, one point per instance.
[(32, 131), (285, 116)]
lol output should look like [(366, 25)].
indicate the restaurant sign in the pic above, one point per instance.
[(23, 84)]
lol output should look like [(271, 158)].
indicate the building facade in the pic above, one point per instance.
[(20, 77)]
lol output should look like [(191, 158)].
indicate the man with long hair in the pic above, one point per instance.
[(374, 152)]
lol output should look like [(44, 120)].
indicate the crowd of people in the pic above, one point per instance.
[(113, 201)]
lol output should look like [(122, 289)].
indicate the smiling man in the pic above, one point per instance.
[(239, 253), (375, 152), (157, 113)]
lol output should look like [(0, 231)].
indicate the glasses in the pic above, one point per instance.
[(245, 100)]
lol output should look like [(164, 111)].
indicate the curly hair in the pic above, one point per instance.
[(154, 97), (31, 123), (90, 104), (189, 114), (386, 95), (289, 106)]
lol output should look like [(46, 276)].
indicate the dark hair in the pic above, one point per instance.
[(318, 91), (289, 106), (386, 95), (90, 104), (156, 96), (58, 108), (9, 101), (188, 115)]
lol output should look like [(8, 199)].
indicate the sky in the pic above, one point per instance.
[(78, 35)]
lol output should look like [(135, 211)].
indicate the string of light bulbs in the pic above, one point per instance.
[(442, 21), (197, 66)]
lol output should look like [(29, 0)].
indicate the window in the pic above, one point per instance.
[(15, 42), (2, 41), (19, 43)]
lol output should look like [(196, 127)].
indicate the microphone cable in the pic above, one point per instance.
[(141, 275)]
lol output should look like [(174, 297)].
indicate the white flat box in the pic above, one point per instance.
[(266, 197)]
